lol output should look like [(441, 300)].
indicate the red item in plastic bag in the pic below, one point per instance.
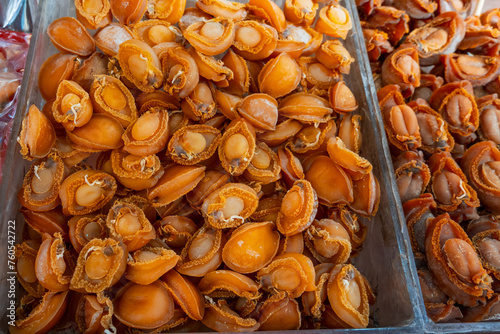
[(13, 52)]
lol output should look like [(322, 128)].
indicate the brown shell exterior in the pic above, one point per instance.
[(70, 155), (37, 134), (55, 69), (294, 48), (109, 38), (260, 110), (305, 107), (352, 163), (239, 84), (232, 283), (177, 181), (304, 215), (226, 103), (212, 180), (49, 222), (210, 68), (275, 70), (269, 11), (342, 99), (79, 42), (146, 272), (322, 172), (284, 130), (223, 8), (366, 195), (128, 12), (101, 133), (48, 273), (185, 294), (251, 247), (96, 64)]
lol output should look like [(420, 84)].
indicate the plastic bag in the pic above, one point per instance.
[(18, 15), (13, 52)]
